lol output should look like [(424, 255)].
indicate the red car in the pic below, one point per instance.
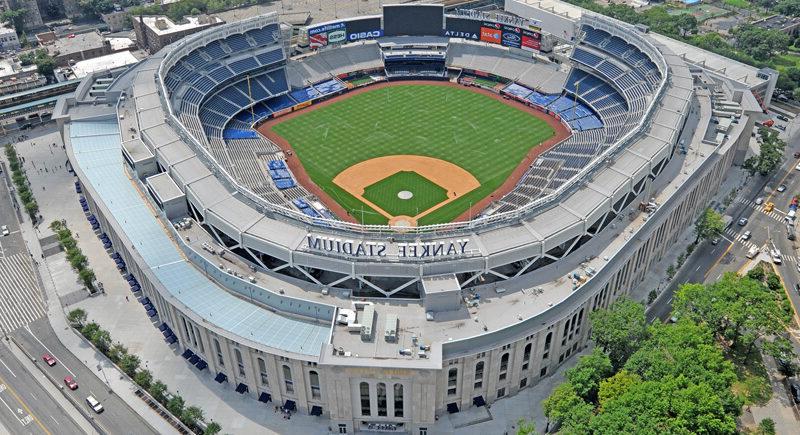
[(49, 359), (70, 381)]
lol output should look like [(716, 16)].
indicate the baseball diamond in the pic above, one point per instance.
[(486, 137)]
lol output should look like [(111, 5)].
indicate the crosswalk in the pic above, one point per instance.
[(737, 237), (776, 214), (20, 298)]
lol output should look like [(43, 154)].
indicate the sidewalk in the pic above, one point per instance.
[(55, 313)]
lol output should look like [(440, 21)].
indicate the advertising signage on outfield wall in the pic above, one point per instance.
[(493, 32), (344, 31)]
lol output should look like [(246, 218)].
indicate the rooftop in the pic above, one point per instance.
[(103, 63), (77, 43), (162, 25), (777, 22)]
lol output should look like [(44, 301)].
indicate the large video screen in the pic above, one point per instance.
[(333, 33), (466, 28), (413, 20)]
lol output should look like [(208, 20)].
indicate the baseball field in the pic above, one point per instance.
[(411, 153)]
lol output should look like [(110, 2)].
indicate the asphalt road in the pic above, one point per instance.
[(25, 406), (118, 417)]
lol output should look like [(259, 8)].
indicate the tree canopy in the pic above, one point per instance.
[(619, 330), (709, 225), (760, 43)]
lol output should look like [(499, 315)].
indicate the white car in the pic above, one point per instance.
[(797, 168), (94, 404), (4, 229), (759, 201), (746, 235)]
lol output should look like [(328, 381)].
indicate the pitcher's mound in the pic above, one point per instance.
[(404, 194)]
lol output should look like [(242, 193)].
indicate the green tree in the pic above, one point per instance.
[(565, 408), (620, 330), (175, 405), (616, 386), (767, 426), (96, 7), (586, 376), (788, 7), (101, 340), (737, 309), (77, 318), (782, 350), (158, 390), (761, 44), (16, 17), (129, 363), (143, 378), (116, 352), (709, 225), (191, 416), (87, 277), (756, 274), (212, 428)]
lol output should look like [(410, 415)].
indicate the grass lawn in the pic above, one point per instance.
[(480, 134), (485, 82), (361, 80), (741, 4), (425, 193), (753, 384)]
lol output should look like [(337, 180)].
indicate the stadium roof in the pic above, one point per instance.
[(97, 151)]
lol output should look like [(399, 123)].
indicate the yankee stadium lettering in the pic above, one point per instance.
[(353, 248)]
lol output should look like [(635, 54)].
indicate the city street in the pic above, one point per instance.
[(26, 406)]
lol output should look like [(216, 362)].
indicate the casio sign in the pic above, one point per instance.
[(459, 34), (365, 35)]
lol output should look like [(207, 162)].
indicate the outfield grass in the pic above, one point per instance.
[(384, 194), (480, 134)]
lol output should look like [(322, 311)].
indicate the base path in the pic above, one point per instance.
[(561, 133), (452, 178)]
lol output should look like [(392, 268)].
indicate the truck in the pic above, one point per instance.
[(752, 252)]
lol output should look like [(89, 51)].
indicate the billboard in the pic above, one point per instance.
[(413, 20), (364, 28), (462, 28), (491, 32), (512, 36), (531, 40), (344, 31), (326, 34)]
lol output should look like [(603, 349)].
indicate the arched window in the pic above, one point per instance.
[(452, 381), (364, 390), (503, 366), (287, 379), (398, 400), (314, 381), (526, 356), (218, 349), (262, 370), (479, 374), (548, 340), (239, 362), (381, 399)]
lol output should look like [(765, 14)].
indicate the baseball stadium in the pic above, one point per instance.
[(397, 218)]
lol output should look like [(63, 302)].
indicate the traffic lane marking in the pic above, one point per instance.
[(24, 406), (9, 370), (28, 328)]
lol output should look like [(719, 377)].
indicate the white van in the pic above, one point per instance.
[(94, 404), (752, 252), (776, 256)]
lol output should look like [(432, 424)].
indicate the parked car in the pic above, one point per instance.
[(742, 222), (49, 359), (780, 127), (715, 240), (782, 118), (94, 404), (794, 390), (782, 188), (4, 230), (70, 382)]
